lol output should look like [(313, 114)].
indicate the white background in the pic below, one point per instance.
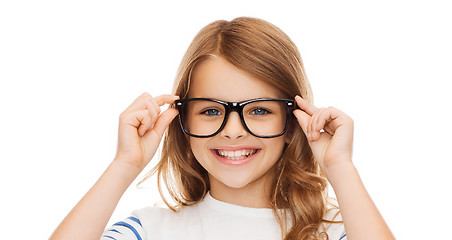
[(69, 68)]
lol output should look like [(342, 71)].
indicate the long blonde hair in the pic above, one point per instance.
[(265, 52)]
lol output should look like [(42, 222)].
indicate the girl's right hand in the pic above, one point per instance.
[(141, 128)]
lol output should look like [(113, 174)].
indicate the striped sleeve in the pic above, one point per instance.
[(344, 237), (128, 229)]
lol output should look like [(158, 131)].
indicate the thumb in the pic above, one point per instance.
[(303, 119), (164, 121), (153, 137)]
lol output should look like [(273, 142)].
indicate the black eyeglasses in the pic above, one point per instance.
[(205, 117)]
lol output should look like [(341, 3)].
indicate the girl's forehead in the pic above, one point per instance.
[(219, 79)]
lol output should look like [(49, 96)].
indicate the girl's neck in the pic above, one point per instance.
[(254, 195)]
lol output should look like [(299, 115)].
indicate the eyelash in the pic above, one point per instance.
[(206, 112), (251, 112), (260, 109)]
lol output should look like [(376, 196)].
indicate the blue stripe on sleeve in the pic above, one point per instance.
[(109, 237), (343, 237), (114, 230), (135, 220), (124, 224)]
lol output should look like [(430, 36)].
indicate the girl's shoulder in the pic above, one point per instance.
[(162, 214), (152, 223)]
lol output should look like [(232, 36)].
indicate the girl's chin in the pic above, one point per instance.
[(231, 184)]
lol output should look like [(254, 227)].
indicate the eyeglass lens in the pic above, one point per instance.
[(263, 118)]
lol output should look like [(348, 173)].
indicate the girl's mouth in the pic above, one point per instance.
[(235, 155)]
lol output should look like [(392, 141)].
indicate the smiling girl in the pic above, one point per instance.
[(245, 153)]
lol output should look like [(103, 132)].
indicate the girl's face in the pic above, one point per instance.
[(253, 157)]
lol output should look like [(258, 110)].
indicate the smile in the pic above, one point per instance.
[(235, 155)]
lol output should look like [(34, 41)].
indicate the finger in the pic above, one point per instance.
[(311, 125), (305, 105), (146, 123), (138, 119), (161, 100), (153, 107), (328, 120), (329, 130), (164, 121), (146, 100), (303, 120), (166, 99), (338, 120), (140, 102), (315, 124)]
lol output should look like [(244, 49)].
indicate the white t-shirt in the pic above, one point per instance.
[(209, 219)]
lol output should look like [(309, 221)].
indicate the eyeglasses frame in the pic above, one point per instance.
[(237, 107)]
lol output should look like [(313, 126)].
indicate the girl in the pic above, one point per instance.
[(248, 156)]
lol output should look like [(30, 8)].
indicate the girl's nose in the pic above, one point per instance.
[(233, 128)]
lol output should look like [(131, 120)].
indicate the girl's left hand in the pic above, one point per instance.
[(329, 131)]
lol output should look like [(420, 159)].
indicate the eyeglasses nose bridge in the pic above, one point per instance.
[(235, 107)]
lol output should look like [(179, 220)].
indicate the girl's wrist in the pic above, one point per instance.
[(338, 170), (125, 169)]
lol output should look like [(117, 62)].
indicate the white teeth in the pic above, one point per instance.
[(239, 154)]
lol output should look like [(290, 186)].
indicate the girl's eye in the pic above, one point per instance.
[(259, 111), (212, 112)]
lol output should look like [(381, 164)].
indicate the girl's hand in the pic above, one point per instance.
[(332, 149), (329, 131), (141, 127)]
